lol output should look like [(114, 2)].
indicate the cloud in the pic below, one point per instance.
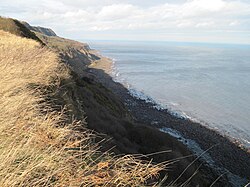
[(117, 11), (203, 6), (84, 16), (204, 24)]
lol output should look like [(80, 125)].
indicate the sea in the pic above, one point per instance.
[(204, 82)]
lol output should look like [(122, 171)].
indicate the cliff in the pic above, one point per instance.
[(77, 55), (43, 133), (65, 127), (42, 30)]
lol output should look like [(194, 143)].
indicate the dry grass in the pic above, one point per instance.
[(34, 150), (15, 27)]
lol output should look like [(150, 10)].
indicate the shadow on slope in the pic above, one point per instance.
[(106, 114)]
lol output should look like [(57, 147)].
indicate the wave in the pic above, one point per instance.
[(171, 107), (116, 76)]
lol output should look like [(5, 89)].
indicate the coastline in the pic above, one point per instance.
[(234, 161), (122, 125), (104, 63)]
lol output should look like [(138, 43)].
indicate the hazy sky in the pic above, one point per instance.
[(223, 21)]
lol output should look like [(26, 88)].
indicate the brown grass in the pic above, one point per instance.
[(15, 27), (38, 147)]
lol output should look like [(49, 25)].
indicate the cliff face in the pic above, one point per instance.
[(77, 55)]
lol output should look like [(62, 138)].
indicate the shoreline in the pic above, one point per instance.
[(207, 139)]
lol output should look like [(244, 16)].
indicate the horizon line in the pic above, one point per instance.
[(162, 41)]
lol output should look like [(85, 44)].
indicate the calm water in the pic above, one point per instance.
[(208, 83)]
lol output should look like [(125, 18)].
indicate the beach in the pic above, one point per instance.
[(218, 152)]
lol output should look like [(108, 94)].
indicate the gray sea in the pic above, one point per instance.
[(208, 83)]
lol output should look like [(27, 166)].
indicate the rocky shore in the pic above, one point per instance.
[(215, 151)]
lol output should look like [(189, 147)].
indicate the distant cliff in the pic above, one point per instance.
[(45, 31), (73, 53)]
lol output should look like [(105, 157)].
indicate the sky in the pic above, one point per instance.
[(216, 21)]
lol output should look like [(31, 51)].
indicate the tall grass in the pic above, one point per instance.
[(37, 145)]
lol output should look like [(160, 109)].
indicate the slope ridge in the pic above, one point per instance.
[(15, 27)]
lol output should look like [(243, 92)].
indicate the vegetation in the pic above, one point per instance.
[(15, 27), (42, 144)]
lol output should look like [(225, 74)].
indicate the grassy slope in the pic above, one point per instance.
[(63, 96), (15, 27), (40, 146)]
